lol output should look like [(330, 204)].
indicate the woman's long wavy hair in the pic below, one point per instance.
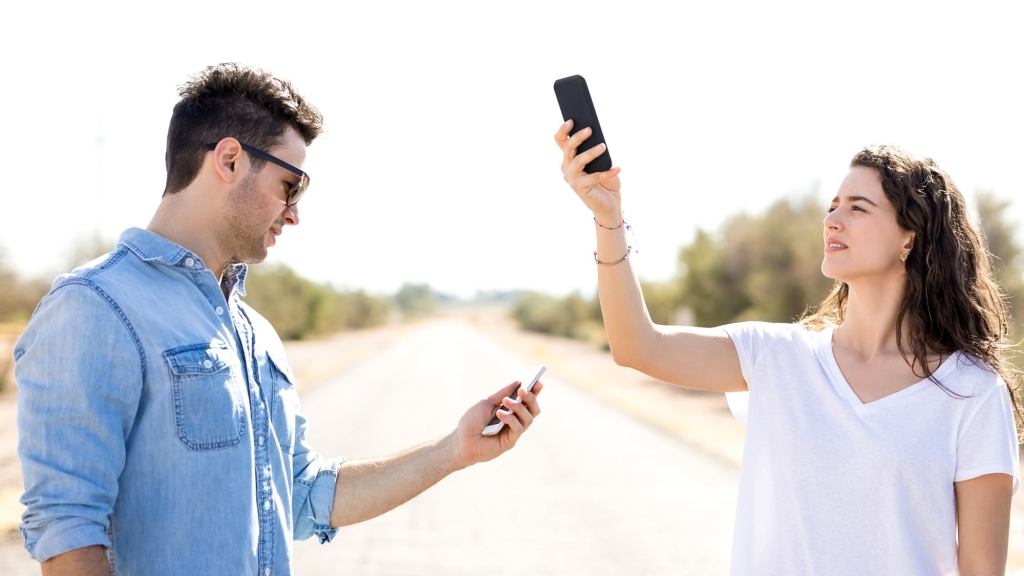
[(952, 301)]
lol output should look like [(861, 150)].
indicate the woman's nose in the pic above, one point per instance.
[(832, 221)]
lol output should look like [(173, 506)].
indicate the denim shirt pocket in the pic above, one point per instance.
[(208, 406), (286, 400)]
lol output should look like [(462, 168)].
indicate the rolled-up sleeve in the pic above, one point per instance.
[(79, 369), (313, 499), (313, 489)]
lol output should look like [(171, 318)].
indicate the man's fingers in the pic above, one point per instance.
[(495, 399), (514, 425), (529, 399), (520, 410)]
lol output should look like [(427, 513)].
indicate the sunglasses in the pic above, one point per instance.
[(297, 189)]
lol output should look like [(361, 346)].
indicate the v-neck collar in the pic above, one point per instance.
[(828, 359)]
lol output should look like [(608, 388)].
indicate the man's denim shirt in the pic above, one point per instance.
[(159, 419)]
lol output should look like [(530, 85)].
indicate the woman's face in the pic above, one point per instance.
[(862, 239)]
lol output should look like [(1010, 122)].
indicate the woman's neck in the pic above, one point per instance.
[(869, 325)]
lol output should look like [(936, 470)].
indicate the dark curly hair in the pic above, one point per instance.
[(952, 301), (232, 100)]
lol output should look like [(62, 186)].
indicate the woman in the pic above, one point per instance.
[(881, 435)]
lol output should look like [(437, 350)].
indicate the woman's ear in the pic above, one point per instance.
[(908, 242)]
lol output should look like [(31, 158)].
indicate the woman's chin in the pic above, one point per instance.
[(831, 273)]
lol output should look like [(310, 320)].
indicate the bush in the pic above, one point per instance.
[(569, 316), (299, 308)]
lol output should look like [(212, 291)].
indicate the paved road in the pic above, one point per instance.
[(588, 491)]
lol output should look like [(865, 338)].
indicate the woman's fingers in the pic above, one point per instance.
[(586, 157), (563, 132)]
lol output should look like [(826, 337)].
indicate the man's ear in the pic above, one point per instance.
[(228, 161)]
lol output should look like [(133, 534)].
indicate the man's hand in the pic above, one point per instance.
[(368, 488), (473, 448)]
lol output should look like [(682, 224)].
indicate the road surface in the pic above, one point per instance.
[(588, 490)]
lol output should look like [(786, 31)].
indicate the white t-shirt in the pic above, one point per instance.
[(833, 486)]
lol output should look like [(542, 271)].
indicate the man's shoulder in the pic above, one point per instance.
[(115, 281), (97, 275), (82, 301)]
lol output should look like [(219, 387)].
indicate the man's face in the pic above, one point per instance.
[(256, 212)]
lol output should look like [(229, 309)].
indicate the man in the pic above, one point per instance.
[(159, 428)]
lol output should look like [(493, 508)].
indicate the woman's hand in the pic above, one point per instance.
[(600, 190)]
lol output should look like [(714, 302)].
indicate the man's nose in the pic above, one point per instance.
[(291, 214)]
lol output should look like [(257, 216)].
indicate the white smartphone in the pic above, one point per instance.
[(495, 425)]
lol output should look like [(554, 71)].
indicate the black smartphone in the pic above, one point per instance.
[(575, 102)]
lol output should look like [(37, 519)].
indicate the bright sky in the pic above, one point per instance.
[(439, 165)]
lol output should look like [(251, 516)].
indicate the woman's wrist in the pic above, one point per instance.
[(609, 221)]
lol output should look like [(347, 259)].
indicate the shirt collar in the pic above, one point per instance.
[(234, 277), (152, 247)]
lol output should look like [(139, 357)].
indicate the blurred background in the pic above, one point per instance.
[(438, 220)]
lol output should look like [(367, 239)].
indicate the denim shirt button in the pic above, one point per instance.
[(220, 311), (190, 262), (266, 504), (207, 364), (266, 572), (259, 440)]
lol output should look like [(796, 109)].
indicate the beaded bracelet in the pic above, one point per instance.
[(615, 228), (624, 257)]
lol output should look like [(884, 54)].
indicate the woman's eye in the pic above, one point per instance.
[(830, 210)]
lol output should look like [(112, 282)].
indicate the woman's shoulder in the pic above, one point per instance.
[(791, 331), (756, 338), (972, 376)]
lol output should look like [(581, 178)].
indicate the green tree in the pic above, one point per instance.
[(571, 316), (415, 300), (662, 300), (291, 303), (358, 310), (764, 267), (711, 286), (299, 308)]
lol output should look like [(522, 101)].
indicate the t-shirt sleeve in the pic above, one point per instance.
[(751, 339), (988, 439)]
